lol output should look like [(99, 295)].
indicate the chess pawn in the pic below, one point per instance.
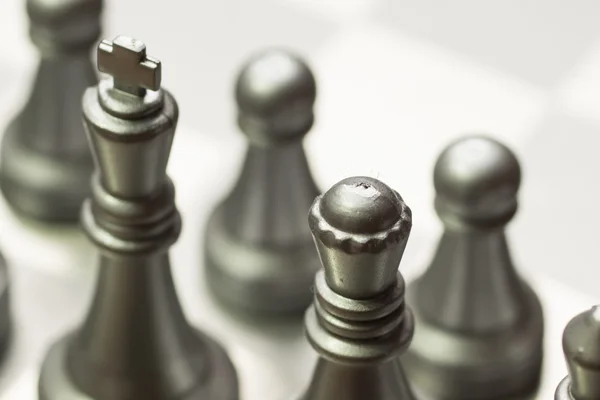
[(581, 345), (359, 322), (45, 161), (135, 342), (480, 326), (259, 255)]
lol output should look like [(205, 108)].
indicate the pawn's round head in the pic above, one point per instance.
[(581, 345), (361, 205), (275, 93), (477, 177), (58, 26), (361, 227)]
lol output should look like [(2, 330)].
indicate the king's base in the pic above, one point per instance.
[(254, 280), (221, 382), (48, 189), (449, 366)]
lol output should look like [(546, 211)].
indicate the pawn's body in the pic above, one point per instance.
[(259, 254), (581, 345), (359, 323), (135, 342), (480, 326), (45, 163)]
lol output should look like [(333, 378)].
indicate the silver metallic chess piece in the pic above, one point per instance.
[(581, 345), (45, 162), (259, 254), (359, 322), (135, 342), (479, 325), (5, 313)]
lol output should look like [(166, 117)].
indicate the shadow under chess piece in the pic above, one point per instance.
[(135, 342), (581, 345), (259, 254), (45, 162), (359, 322), (480, 326)]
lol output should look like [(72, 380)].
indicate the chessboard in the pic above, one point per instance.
[(396, 82)]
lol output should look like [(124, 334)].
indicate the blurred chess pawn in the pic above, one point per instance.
[(46, 163), (5, 314), (480, 326), (359, 323), (581, 345), (259, 254)]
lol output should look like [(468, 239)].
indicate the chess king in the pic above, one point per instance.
[(135, 342), (45, 163)]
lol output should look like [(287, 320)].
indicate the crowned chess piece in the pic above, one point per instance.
[(259, 254), (471, 299), (45, 163), (359, 322), (581, 345), (135, 342)]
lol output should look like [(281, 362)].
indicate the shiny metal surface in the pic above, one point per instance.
[(425, 84), (135, 342), (6, 318), (259, 253), (581, 345), (359, 323), (45, 162), (53, 274), (471, 298)]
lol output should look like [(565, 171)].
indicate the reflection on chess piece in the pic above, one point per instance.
[(259, 254), (581, 345), (45, 162), (359, 323), (480, 326), (135, 342)]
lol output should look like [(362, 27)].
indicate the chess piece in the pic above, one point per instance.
[(5, 317), (45, 163), (359, 322), (581, 345), (135, 342), (259, 255), (480, 326)]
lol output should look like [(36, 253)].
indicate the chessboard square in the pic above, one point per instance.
[(338, 11), (556, 230), (579, 94), (534, 40)]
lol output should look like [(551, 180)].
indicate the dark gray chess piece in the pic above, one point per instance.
[(359, 322), (5, 315), (259, 254), (45, 163), (581, 345), (480, 326), (135, 342)]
